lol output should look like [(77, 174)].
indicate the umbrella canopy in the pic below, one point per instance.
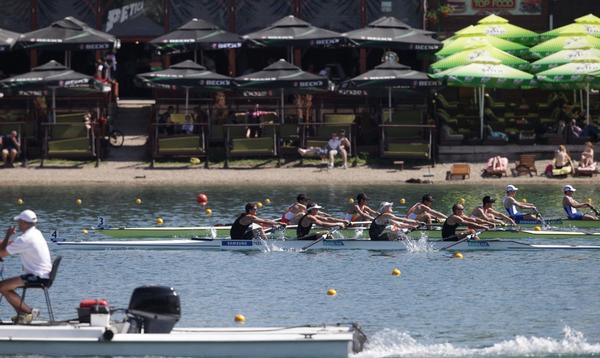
[(554, 45), (472, 55), (69, 34), (563, 57), (7, 39), (389, 32), (471, 37), (292, 31), (585, 25), (494, 25), (197, 34)]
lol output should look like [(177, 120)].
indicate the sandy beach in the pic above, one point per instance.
[(140, 173)]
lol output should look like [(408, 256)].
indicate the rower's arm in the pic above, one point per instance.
[(466, 221), (362, 212), (436, 213), (322, 223), (503, 216), (578, 205), (264, 221)]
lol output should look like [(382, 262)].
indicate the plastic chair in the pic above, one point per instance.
[(44, 285)]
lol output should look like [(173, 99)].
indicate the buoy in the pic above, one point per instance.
[(259, 205), (84, 231), (458, 255), (524, 200), (267, 201), (138, 201), (20, 201), (350, 201), (331, 292), (396, 271), (402, 201), (589, 200), (208, 211), (537, 228), (461, 201), (78, 201), (239, 318), (194, 161), (202, 199), (159, 221)]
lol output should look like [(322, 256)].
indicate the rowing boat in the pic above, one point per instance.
[(299, 245)]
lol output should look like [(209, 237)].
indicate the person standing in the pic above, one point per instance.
[(35, 259)]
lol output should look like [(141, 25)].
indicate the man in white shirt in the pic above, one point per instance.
[(35, 259), (334, 146)]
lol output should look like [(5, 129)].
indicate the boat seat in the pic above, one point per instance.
[(44, 285)]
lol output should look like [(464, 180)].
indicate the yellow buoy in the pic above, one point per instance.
[(208, 211), (267, 201), (259, 205), (589, 200), (524, 200), (537, 228), (194, 161), (159, 221), (20, 201), (402, 201), (461, 201), (396, 271), (239, 318), (78, 201), (331, 292), (350, 201), (84, 231), (138, 201), (458, 255)]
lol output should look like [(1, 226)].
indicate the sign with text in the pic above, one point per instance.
[(499, 7)]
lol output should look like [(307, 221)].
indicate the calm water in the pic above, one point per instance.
[(542, 303)]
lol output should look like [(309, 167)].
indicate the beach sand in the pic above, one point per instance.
[(139, 173)]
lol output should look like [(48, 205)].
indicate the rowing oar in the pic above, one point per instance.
[(595, 210), (321, 238), (466, 238), (541, 218)]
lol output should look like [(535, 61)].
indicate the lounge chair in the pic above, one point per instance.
[(588, 171), (525, 165), (461, 171)]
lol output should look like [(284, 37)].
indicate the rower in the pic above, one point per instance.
[(247, 226), (377, 229), (295, 211), (458, 217), (511, 204), (486, 212), (571, 205), (423, 212), (311, 218), (360, 211)]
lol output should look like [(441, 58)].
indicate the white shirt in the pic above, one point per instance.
[(334, 144), (33, 249)]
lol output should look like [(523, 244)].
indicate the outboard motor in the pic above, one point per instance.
[(155, 309)]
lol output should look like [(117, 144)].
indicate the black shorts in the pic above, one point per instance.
[(30, 278)]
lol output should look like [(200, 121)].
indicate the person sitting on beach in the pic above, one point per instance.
[(360, 211), (11, 146), (496, 166), (587, 156), (35, 260), (335, 147), (511, 204), (457, 218), (377, 229), (166, 125), (423, 212), (295, 211), (571, 205), (487, 212), (188, 126), (575, 131), (311, 218), (313, 152), (562, 159), (248, 226), (344, 141)]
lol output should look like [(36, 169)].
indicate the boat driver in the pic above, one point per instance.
[(511, 204), (248, 226), (457, 218), (571, 205), (35, 259), (311, 218)]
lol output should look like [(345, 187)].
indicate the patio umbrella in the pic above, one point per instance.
[(389, 32), (53, 76), (7, 39), (563, 57), (494, 25), (471, 37), (585, 25), (471, 55), (565, 42), (187, 74), (197, 34), (284, 76), (485, 72), (391, 75), (578, 74)]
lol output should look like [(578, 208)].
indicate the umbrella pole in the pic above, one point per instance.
[(481, 104), (196, 55), (53, 104), (587, 110), (282, 108), (390, 104), (581, 99), (187, 99)]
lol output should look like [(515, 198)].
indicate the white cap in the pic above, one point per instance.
[(27, 216), (384, 204), (568, 188), (511, 187), (314, 206)]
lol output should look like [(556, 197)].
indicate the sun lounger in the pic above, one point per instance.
[(459, 171), (586, 171), (525, 165)]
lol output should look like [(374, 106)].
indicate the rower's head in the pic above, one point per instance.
[(362, 198), (511, 190), (569, 190), (458, 209), (25, 220), (251, 208), (313, 208), (301, 198), (385, 207), (427, 199), (488, 201)]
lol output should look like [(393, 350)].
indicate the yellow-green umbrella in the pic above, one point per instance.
[(472, 55), (494, 25), (565, 42), (588, 25), (471, 37)]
